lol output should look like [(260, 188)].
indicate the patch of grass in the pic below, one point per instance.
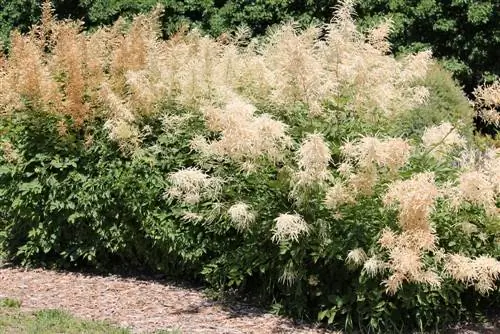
[(168, 331), (14, 321), (11, 303)]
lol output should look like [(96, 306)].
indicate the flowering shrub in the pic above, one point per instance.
[(295, 168)]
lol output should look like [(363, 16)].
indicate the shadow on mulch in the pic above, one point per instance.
[(491, 326), (234, 304)]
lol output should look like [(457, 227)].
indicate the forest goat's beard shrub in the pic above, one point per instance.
[(318, 173)]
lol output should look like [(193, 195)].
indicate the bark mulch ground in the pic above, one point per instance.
[(143, 306), (149, 305)]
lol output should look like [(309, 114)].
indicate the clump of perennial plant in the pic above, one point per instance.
[(269, 106)]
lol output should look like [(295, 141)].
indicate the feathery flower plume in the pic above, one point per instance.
[(356, 257), (488, 101), (479, 182), (313, 158), (69, 58), (368, 154), (339, 194), (192, 216), (191, 185), (241, 215), (481, 272), (299, 76), (491, 167), (374, 266), (289, 275), (289, 227), (441, 139), (405, 258), (120, 123), (475, 187), (415, 199), (392, 153), (345, 169), (378, 36), (244, 136), (416, 66)]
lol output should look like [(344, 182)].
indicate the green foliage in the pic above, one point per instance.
[(68, 203), (10, 303), (20, 14), (446, 101)]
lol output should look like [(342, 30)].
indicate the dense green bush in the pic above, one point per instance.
[(69, 205), (277, 168)]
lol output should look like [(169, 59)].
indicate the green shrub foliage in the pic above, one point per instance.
[(321, 175)]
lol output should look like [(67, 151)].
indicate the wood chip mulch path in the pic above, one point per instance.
[(143, 306)]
